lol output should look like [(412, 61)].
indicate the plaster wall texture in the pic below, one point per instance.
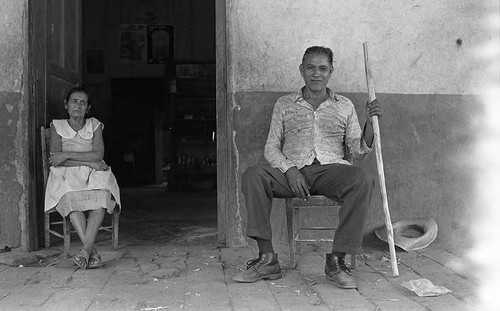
[(11, 45), (429, 84), (413, 44), (13, 122)]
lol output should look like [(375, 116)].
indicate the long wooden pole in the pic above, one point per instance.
[(380, 164)]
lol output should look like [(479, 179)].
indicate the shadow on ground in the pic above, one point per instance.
[(155, 215)]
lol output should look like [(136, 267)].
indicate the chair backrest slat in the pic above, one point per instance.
[(45, 143)]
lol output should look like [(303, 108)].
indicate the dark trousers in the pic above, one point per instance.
[(351, 184)]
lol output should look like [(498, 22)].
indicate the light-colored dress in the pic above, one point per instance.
[(80, 188)]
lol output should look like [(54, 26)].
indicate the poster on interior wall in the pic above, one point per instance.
[(160, 44), (133, 43)]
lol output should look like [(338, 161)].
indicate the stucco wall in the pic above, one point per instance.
[(13, 122), (413, 44), (427, 65)]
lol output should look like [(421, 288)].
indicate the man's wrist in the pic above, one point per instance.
[(290, 169), (285, 165)]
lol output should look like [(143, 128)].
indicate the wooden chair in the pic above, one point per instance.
[(294, 221), (50, 223)]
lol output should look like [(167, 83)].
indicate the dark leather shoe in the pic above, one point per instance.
[(266, 267), (337, 272)]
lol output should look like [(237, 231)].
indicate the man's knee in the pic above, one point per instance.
[(361, 177), (251, 175)]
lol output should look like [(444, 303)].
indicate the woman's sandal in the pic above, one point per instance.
[(81, 259), (95, 261)]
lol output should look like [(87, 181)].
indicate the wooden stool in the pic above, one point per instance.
[(294, 224)]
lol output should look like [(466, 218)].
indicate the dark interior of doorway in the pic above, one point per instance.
[(159, 123)]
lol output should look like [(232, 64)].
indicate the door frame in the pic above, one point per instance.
[(223, 123)]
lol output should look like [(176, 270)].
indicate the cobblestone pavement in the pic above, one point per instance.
[(177, 265), (198, 277)]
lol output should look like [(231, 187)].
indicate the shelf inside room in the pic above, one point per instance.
[(192, 127)]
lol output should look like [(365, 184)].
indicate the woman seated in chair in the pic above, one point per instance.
[(79, 179)]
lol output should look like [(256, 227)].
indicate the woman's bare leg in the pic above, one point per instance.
[(94, 221), (79, 223)]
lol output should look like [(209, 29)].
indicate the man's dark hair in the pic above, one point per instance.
[(319, 50)]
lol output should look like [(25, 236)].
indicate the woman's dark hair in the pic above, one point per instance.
[(77, 89), (322, 50)]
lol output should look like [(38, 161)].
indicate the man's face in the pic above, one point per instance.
[(316, 71)]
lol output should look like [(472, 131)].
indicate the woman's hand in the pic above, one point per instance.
[(99, 166), (373, 109), (57, 158)]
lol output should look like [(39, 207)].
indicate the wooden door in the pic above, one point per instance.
[(55, 34), (32, 233), (64, 66)]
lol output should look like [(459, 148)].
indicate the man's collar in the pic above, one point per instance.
[(298, 95)]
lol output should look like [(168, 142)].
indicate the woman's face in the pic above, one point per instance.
[(77, 105)]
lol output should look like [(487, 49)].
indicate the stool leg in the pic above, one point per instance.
[(289, 224), (297, 228)]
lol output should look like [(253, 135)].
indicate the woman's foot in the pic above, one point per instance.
[(95, 260), (81, 259)]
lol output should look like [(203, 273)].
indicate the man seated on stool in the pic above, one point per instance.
[(305, 148)]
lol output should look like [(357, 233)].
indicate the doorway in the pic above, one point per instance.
[(93, 38), (149, 68)]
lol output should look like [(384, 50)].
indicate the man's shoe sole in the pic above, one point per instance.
[(329, 278), (264, 277)]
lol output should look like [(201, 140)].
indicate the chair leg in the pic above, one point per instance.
[(116, 218), (67, 236), (47, 228), (353, 261), (289, 225), (297, 228)]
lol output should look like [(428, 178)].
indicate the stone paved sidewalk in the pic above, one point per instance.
[(197, 276)]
